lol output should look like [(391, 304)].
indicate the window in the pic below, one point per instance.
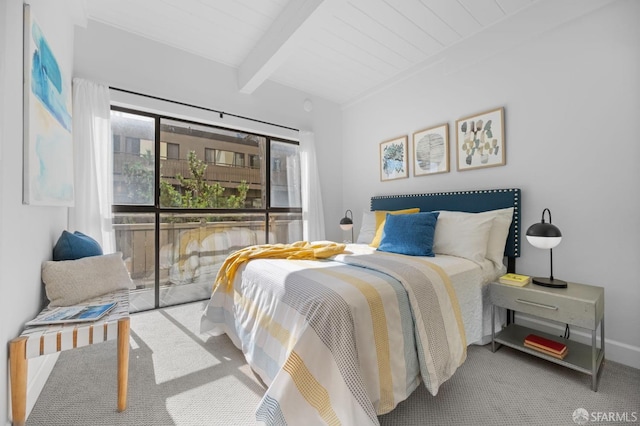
[(238, 159), (178, 216), (210, 155), (133, 158), (132, 145), (212, 173), (169, 151), (225, 158), (285, 175), (254, 161)]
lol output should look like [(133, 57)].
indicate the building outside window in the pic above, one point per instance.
[(210, 191)]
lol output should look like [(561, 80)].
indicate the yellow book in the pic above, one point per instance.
[(515, 279)]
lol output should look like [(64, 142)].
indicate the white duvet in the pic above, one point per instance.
[(336, 343)]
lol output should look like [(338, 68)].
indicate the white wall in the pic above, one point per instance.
[(28, 233), (572, 103), (123, 60)]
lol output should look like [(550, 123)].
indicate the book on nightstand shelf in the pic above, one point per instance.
[(547, 346), (515, 279)]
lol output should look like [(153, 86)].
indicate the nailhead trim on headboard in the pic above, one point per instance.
[(462, 203)]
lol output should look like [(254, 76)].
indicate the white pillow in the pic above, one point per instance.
[(498, 235), (368, 228), (462, 234), (69, 282)]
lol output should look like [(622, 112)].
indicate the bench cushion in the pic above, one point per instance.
[(70, 282)]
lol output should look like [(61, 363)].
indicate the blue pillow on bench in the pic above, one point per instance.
[(75, 246)]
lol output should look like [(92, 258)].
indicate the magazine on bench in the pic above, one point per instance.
[(68, 314)]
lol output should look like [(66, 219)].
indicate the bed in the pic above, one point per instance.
[(344, 339)]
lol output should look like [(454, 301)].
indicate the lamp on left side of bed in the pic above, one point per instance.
[(346, 223)]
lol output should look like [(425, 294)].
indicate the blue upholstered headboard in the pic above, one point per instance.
[(467, 201)]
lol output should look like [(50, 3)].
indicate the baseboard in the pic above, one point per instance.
[(620, 352)]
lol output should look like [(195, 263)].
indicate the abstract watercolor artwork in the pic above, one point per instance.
[(394, 162), (48, 145), (480, 140), (431, 150)]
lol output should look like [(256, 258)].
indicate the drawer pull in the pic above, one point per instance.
[(540, 305)]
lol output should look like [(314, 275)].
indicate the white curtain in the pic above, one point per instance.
[(312, 210), (93, 163)]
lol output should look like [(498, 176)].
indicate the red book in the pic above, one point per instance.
[(548, 352), (545, 343)]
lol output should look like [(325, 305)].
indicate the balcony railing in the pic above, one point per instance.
[(226, 175), (192, 251), (232, 175)]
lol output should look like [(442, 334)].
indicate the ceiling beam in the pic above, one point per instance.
[(278, 43)]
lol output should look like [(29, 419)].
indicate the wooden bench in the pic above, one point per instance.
[(43, 340)]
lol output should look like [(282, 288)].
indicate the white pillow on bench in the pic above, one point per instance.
[(69, 282)]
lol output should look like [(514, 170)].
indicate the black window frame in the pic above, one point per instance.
[(158, 210)]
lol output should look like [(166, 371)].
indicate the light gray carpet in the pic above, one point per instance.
[(179, 377)]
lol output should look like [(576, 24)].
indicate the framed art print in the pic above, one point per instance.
[(431, 150), (394, 162), (48, 146), (480, 140)]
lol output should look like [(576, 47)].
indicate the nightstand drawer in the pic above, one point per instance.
[(557, 305)]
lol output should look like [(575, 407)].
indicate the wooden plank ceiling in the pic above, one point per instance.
[(336, 49)]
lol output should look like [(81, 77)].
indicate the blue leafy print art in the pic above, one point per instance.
[(393, 159)]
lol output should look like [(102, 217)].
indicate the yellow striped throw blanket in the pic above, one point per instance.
[(342, 340), (299, 250)]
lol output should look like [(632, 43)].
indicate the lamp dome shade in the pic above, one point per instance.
[(346, 223), (544, 235)]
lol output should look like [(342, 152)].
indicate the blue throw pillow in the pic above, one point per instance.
[(410, 234), (75, 246)]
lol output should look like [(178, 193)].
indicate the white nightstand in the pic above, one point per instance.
[(579, 305)]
